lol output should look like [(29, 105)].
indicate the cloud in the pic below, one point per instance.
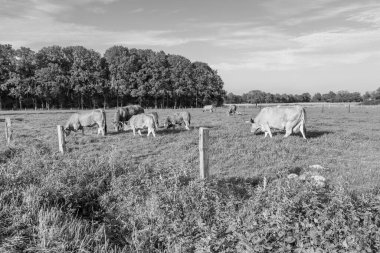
[(138, 10)]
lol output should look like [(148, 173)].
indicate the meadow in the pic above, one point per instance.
[(125, 193)]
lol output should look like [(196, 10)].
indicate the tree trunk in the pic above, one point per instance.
[(20, 102), (155, 102), (81, 100), (104, 101), (35, 103), (1, 103)]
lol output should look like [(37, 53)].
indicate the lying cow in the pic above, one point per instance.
[(155, 117), (290, 119), (86, 119), (231, 109), (209, 108), (142, 121), (123, 114), (177, 119)]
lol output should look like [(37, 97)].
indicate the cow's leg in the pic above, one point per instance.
[(288, 129), (139, 131), (81, 128), (134, 131), (149, 130), (303, 130), (187, 126), (267, 131)]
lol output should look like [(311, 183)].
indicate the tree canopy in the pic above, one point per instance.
[(74, 76)]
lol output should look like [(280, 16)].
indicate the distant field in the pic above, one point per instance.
[(346, 143), (125, 193)]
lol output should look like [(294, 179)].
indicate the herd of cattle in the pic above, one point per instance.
[(291, 119)]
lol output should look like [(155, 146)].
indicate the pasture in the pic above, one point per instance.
[(125, 193)]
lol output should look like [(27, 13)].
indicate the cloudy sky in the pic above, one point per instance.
[(277, 46)]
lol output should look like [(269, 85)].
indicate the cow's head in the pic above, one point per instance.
[(254, 127), (125, 126), (117, 125), (168, 123), (66, 131)]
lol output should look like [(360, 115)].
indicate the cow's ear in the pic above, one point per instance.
[(252, 121)]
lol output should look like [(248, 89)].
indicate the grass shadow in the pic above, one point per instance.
[(236, 186), (8, 154)]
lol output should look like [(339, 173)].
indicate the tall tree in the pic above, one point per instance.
[(180, 81), (21, 81), (84, 73), (7, 66), (52, 75)]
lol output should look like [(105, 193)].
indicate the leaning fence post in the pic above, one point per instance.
[(8, 130), (203, 152), (61, 139)]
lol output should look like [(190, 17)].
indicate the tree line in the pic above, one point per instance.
[(259, 97), (74, 76)]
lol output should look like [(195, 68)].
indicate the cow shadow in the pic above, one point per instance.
[(170, 131), (316, 134), (205, 126), (116, 133)]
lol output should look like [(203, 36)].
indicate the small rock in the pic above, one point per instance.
[(319, 180), (292, 176), (316, 167)]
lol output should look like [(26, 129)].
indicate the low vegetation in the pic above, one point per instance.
[(121, 193)]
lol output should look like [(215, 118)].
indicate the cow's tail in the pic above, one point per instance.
[(303, 120)]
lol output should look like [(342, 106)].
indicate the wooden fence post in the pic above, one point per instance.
[(61, 139), (349, 108), (203, 152), (8, 130), (323, 107)]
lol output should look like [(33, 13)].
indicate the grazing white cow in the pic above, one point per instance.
[(231, 109), (123, 114), (141, 121), (209, 108), (292, 119), (155, 116), (177, 119), (86, 119)]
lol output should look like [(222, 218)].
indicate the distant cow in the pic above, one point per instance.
[(141, 121), (292, 119), (231, 109), (209, 108), (123, 114), (155, 116), (177, 119), (86, 119)]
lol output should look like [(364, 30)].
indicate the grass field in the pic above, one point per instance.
[(125, 193)]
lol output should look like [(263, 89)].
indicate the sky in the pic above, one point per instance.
[(277, 46)]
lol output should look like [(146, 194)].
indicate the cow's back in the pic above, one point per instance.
[(278, 117), (141, 121)]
